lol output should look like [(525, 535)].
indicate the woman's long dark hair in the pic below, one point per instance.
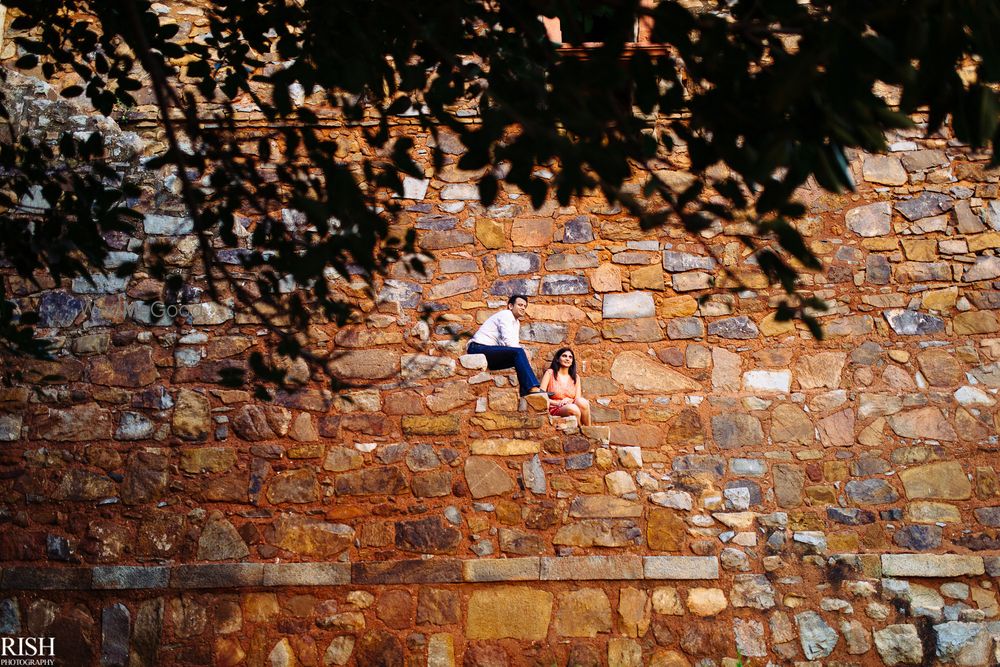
[(554, 366)]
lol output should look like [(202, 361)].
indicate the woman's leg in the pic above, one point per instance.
[(583, 405), (568, 411)]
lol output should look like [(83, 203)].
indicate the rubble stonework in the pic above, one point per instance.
[(744, 487)]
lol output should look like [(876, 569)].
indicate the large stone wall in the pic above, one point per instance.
[(744, 486)]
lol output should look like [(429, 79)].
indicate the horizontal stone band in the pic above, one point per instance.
[(443, 571)]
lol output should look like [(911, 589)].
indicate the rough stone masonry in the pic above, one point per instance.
[(745, 488)]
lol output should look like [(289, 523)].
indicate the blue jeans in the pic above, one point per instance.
[(498, 358)]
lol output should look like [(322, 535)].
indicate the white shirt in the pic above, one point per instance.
[(500, 329)]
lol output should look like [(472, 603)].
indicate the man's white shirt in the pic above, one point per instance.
[(501, 329)]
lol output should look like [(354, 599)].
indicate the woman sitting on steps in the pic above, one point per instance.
[(563, 383)]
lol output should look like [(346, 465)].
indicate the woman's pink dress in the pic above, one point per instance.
[(561, 388)]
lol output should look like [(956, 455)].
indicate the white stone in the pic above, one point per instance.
[(985, 268), (208, 313), (738, 498), (117, 258), (871, 219), (967, 395), (899, 644), (425, 367), (931, 565), (441, 651), (167, 225), (415, 188), (619, 483), (464, 191), (680, 567), (678, 500), (629, 457), (955, 590), (475, 362), (630, 305), (768, 381), (99, 284)]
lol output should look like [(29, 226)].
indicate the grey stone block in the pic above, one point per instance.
[(46, 578), (120, 577), (217, 575)]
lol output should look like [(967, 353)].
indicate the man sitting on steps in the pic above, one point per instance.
[(499, 340)]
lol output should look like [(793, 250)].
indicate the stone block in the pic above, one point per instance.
[(441, 650), (680, 328), (739, 328), (490, 232), (883, 169), (641, 330), (691, 281), (461, 285), (531, 232), (515, 263), (434, 571), (926, 422), (29, 578), (365, 364), (925, 205), (942, 481), (629, 305), (418, 367), (486, 478), (221, 575), (767, 381), (899, 645), (584, 568), (501, 569), (817, 638), (680, 567), (706, 601), (460, 191), (637, 372), (931, 565), (604, 507), (578, 230), (678, 262), (504, 447), (913, 323), (79, 423), (514, 612), (430, 425), (564, 261), (585, 612), (544, 332), (127, 577), (167, 225), (871, 219), (306, 574)]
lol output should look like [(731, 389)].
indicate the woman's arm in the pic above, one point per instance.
[(546, 379), (579, 386)]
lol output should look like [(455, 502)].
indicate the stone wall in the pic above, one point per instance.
[(744, 486)]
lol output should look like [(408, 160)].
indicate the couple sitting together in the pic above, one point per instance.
[(499, 340)]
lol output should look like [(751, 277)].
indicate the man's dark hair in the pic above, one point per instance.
[(515, 297)]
